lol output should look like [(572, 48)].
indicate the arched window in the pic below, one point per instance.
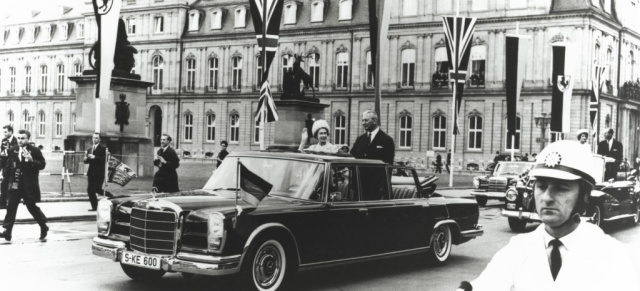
[(287, 64), (27, 79), (25, 120), (240, 17), (610, 63), (439, 132), (158, 67), (342, 66), (596, 55), (44, 78), (12, 79), (194, 20), (369, 72), (236, 73), (58, 124), (234, 128), (517, 136), (346, 7), (314, 69), (213, 74), (475, 133), (11, 118), (339, 128), (188, 127), (258, 70), (41, 124), (60, 78), (408, 67), (191, 74), (290, 13), (216, 19), (317, 11), (131, 26), (211, 127), (77, 68), (406, 127)]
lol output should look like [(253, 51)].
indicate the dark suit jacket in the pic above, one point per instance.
[(381, 148), (96, 165), (29, 183), (166, 178), (616, 150), (4, 159)]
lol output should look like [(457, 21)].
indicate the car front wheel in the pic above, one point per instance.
[(482, 200), (440, 244), (267, 266), (517, 225), (141, 274), (597, 215)]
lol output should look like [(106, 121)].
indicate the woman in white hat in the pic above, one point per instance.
[(320, 131), (583, 136)]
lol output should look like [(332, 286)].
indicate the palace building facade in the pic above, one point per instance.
[(203, 59)]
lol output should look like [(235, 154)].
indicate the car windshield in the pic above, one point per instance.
[(511, 169), (290, 178)]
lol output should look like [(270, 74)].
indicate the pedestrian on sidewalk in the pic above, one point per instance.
[(438, 164), (8, 142), (223, 153), (166, 178), (25, 163), (95, 175)]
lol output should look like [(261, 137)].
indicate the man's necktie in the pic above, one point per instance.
[(556, 259), (368, 138)]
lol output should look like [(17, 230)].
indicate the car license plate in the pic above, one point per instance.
[(134, 259)]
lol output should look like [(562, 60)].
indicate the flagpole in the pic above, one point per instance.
[(264, 67), (453, 110), (513, 137), (237, 184)]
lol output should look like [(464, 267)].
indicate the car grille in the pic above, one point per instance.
[(497, 185), (152, 231)]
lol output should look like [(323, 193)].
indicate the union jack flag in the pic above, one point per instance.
[(266, 101), (459, 33), (596, 84)]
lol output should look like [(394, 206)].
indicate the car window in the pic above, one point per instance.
[(374, 182), (511, 169), (343, 184)]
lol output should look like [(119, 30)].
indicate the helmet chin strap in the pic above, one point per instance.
[(575, 218)]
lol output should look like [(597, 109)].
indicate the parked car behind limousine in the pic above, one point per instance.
[(494, 185)]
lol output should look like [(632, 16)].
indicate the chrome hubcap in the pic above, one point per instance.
[(441, 242), (267, 266)]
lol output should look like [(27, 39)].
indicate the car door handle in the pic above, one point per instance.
[(364, 211)]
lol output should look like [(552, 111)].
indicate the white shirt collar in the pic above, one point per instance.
[(374, 132), (568, 241), (164, 148)]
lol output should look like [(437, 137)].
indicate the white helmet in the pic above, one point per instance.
[(565, 160)]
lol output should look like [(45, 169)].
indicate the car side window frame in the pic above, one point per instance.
[(352, 180)]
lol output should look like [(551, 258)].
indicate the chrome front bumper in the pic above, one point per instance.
[(520, 214), (490, 195), (182, 262)]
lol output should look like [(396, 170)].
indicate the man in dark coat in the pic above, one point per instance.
[(8, 142), (167, 161), (374, 143), (25, 162), (610, 147), (95, 175)]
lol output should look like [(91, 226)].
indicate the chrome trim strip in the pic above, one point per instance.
[(492, 194), (363, 258), (617, 217), (208, 258), (521, 214), (177, 265), (473, 233), (262, 228)]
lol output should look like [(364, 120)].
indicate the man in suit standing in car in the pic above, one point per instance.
[(8, 142), (95, 175), (610, 147), (167, 161), (25, 163), (374, 143)]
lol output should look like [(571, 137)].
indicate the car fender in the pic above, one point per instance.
[(263, 229), (455, 230)]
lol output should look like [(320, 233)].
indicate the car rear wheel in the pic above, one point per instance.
[(517, 225), (267, 267), (597, 215), (141, 274), (482, 200), (440, 244)]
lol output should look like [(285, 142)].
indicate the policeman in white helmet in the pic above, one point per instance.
[(562, 253)]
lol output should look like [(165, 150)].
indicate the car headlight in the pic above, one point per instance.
[(511, 194), (103, 216), (215, 232), (476, 183)]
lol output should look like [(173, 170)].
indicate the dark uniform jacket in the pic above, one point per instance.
[(29, 184), (96, 165), (381, 148), (166, 178), (12, 142), (615, 152)]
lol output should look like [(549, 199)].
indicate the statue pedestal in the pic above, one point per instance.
[(292, 115), (131, 146)]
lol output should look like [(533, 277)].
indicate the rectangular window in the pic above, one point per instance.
[(213, 74), (258, 71), (439, 132), (290, 13), (287, 65), (340, 129), (240, 19), (237, 73), (158, 22), (317, 11), (346, 7), (478, 61), (314, 70), (80, 30), (191, 75), (188, 127), (11, 119), (408, 67), (58, 124), (41, 125), (131, 26), (343, 71), (60, 78), (25, 121), (27, 80), (440, 78), (216, 19), (234, 128), (194, 21), (211, 128), (475, 133), (44, 78), (256, 132), (405, 131), (12, 79), (369, 71)]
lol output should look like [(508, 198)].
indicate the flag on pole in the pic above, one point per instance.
[(253, 187), (379, 13), (107, 13), (562, 81), (118, 172), (516, 50), (266, 16), (596, 85), (458, 35)]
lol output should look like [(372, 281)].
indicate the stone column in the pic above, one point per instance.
[(500, 60), (491, 62), (359, 58)]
